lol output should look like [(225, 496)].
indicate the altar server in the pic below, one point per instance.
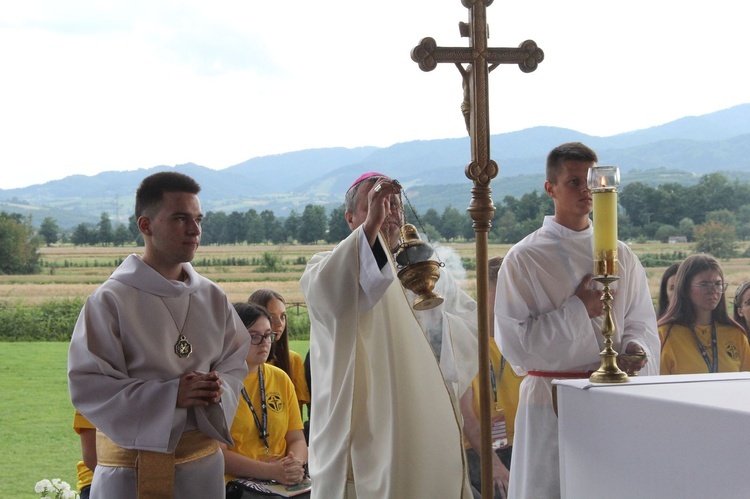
[(157, 358), (548, 317)]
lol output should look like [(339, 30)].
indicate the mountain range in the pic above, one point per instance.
[(432, 171)]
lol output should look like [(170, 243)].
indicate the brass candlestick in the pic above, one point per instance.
[(608, 371)]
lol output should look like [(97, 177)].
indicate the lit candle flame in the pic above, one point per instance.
[(603, 181)]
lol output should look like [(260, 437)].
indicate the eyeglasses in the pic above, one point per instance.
[(711, 287), (257, 339)]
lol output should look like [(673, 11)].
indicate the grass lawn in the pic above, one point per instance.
[(36, 416)]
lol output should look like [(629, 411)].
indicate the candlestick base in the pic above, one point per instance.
[(608, 371)]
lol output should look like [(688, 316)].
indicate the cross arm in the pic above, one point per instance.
[(528, 56), (428, 55)]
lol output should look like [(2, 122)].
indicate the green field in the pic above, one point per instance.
[(36, 417)]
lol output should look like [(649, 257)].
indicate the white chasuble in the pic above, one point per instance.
[(124, 372), (385, 423)]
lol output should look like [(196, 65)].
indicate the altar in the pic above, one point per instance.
[(680, 436)]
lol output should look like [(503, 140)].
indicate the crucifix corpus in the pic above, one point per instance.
[(480, 60)]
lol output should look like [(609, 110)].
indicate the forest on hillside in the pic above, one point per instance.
[(714, 213)]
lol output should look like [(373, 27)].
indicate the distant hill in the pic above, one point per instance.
[(431, 170)]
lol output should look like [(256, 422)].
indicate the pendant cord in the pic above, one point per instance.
[(418, 220)]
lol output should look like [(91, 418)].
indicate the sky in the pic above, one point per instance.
[(101, 85)]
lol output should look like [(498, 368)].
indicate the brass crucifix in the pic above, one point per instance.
[(481, 60)]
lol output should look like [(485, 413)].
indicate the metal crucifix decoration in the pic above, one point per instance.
[(481, 60)]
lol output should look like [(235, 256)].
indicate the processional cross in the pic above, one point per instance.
[(481, 60)]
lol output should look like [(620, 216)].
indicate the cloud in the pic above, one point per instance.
[(96, 85)]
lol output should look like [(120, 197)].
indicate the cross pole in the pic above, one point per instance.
[(481, 60)]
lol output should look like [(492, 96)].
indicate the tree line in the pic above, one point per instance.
[(714, 214)]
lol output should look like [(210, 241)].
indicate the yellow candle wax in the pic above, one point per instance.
[(605, 231)]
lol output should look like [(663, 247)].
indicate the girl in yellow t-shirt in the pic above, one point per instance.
[(281, 356), (697, 334), (267, 429)]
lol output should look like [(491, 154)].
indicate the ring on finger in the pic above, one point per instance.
[(378, 187)]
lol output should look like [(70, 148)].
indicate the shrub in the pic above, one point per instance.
[(298, 324), (50, 321)]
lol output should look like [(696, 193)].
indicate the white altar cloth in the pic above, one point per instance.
[(660, 437)]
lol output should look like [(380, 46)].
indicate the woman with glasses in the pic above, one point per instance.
[(281, 355), (697, 334), (267, 429)]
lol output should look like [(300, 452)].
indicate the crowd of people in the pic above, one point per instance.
[(180, 393)]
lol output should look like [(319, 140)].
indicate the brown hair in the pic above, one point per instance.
[(149, 195), (493, 267), (682, 311), (279, 348), (251, 312), (570, 151), (663, 300), (738, 304)]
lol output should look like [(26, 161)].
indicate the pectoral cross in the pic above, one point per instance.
[(481, 60)]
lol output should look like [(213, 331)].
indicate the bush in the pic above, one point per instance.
[(297, 324), (662, 259), (50, 321)]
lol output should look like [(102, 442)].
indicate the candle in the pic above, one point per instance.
[(603, 182)]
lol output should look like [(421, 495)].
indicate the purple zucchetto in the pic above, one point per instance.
[(365, 176)]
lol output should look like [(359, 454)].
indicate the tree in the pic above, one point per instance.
[(639, 201), (135, 233), (451, 223), (291, 225), (664, 232), (715, 238), (18, 245), (235, 229), (505, 229), (121, 235), (625, 229), (213, 227), (256, 230), (313, 224), (533, 206), (686, 228), (432, 217), (743, 222), (272, 229), (712, 193), (723, 216), (671, 203), (338, 228), (278, 234), (104, 232), (83, 234), (50, 231)]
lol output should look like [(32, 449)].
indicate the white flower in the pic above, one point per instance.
[(55, 489), (42, 486)]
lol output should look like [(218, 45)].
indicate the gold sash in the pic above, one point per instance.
[(155, 470)]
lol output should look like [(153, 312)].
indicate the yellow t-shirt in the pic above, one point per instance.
[(283, 415), (297, 366), (680, 353), (507, 391), (85, 475)]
